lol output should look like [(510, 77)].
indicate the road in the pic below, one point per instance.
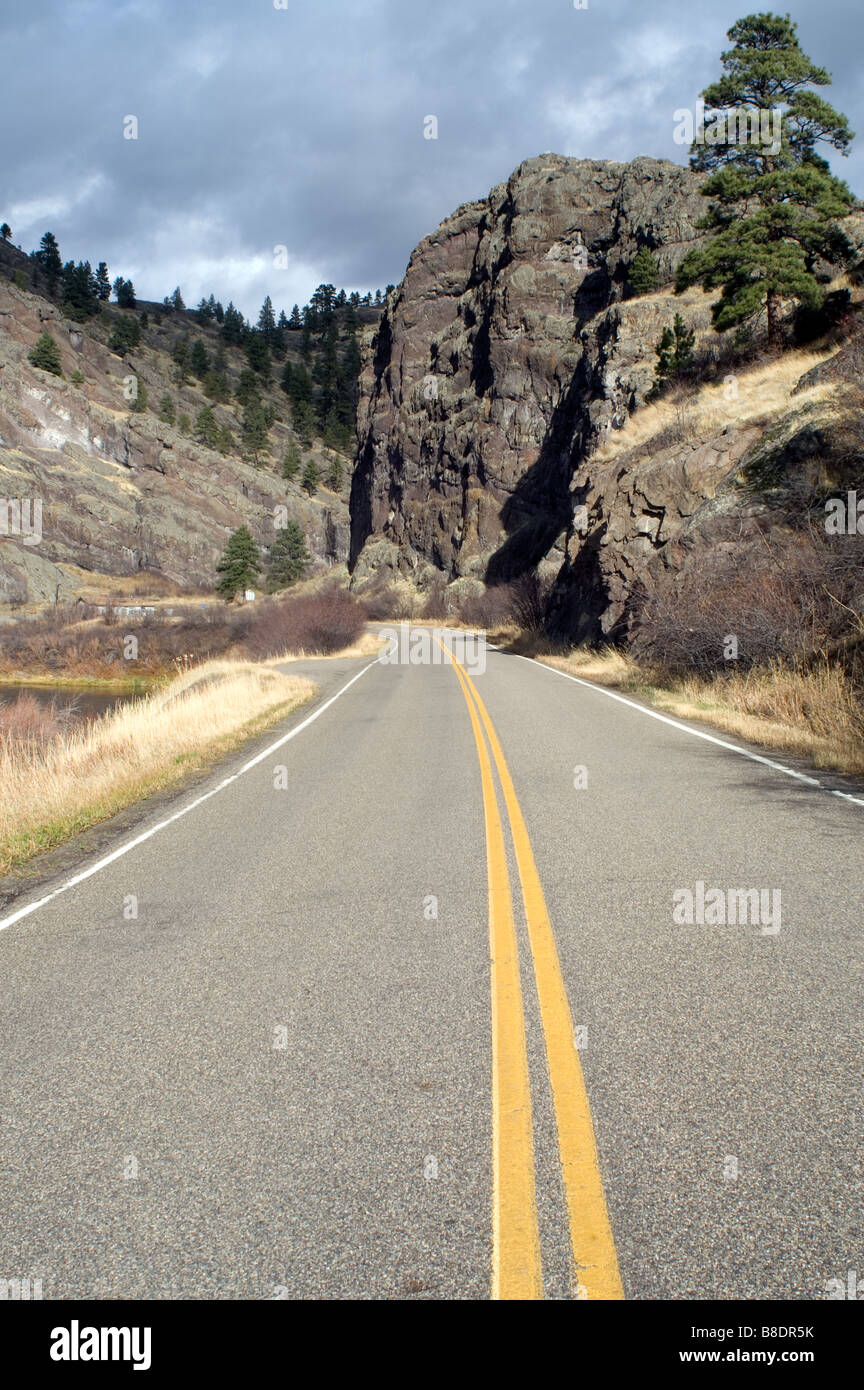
[(295, 1074)]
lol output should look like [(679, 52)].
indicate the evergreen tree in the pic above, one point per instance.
[(219, 313), (180, 354), (48, 260), (304, 422), (166, 408), (248, 389), (103, 284), (775, 203), (46, 355), (207, 427), (124, 293), (217, 386), (295, 320), (240, 564), (256, 427), (643, 273), (288, 557), (5, 231), (80, 290), (279, 345), (233, 327), (674, 352), (225, 440), (199, 359), (311, 476), (177, 300), (291, 462), (125, 336), (334, 476), (267, 322), (258, 354), (138, 402)]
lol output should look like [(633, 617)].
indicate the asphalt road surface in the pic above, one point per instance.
[(406, 1012)]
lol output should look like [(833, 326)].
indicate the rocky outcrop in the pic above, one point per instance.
[(507, 364), (506, 353), (123, 493)]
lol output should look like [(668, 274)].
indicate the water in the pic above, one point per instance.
[(86, 704)]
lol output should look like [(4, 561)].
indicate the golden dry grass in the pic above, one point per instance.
[(814, 714), (51, 791), (763, 393), (368, 644)]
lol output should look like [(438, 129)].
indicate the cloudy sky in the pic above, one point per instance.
[(300, 123)]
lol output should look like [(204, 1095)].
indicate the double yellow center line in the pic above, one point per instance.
[(516, 1264)]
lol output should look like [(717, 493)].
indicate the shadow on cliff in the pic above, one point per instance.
[(541, 504)]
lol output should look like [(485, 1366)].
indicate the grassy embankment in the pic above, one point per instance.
[(813, 714), (53, 788)]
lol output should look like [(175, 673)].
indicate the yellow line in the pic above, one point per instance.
[(590, 1229), (516, 1269)]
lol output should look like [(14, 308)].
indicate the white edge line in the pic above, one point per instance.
[(154, 829), (685, 728)]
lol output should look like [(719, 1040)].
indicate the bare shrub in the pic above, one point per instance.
[(385, 600), (435, 605), (316, 624), (529, 601), (489, 609), (798, 597)]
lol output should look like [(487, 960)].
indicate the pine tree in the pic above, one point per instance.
[(199, 359), (291, 462), (46, 355), (167, 411), (180, 354), (103, 284), (207, 427), (48, 259), (5, 231), (295, 320), (279, 344), (138, 402), (775, 203), (267, 322), (177, 300), (225, 440), (674, 353), (233, 327), (125, 335), (248, 389), (643, 273), (311, 476), (288, 557), (258, 354), (256, 428), (304, 421), (240, 564), (334, 475), (80, 290), (124, 293)]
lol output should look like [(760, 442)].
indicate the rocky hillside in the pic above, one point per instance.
[(511, 366), (126, 496)]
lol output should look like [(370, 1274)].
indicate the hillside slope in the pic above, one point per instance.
[(126, 495)]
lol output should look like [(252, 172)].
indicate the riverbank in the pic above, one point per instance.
[(51, 790)]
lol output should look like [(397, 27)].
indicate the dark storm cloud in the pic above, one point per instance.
[(303, 126)]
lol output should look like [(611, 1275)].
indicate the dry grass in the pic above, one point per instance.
[(764, 392), (814, 713), (368, 644), (52, 790)]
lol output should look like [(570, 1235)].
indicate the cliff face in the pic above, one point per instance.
[(505, 355)]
